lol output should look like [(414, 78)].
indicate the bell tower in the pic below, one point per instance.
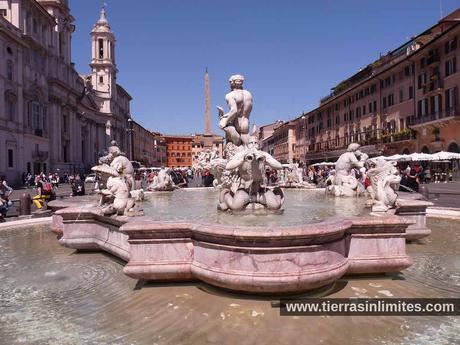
[(103, 66)]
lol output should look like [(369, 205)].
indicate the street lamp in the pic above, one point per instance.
[(130, 131)]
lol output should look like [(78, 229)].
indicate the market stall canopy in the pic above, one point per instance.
[(399, 158), (417, 157), (322, 164), (422, 157), (443, 155)]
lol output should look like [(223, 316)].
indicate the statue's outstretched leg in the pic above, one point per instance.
[(232, 135)]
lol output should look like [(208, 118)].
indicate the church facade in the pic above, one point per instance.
[(52, 118)]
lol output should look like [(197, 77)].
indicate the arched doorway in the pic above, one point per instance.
[(406, 152), (453, 147), (425, 149)]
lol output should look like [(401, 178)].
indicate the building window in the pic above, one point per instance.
[(411, 92), (451, 66), (450, 45), (401, 96), (384, 102), (433, 56), (451, 100), (435, 104), (34, 25), (391, 100), (101, 79), (3, 12), (10, 158), (35, 108), (422, 107), (101, 48), (9, 69), (421, 80), (422, 62), (10, 107)]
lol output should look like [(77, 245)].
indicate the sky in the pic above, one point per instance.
[(291, 52)]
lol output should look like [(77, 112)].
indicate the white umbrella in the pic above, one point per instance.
[(399, 158), (423, 157), (323, 164), (443, 155)]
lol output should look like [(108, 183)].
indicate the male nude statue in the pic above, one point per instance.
[(235, 123)]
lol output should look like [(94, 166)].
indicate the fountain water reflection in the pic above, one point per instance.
[(300, 207)]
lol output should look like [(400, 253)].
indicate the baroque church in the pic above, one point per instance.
[(53, 119)]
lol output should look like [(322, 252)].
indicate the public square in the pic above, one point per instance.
[(182, 175)]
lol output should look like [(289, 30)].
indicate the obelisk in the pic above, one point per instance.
[(207, 110)]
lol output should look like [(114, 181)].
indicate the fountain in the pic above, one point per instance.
[(162, 182), (118, 196), (343, 183), (313, 243)]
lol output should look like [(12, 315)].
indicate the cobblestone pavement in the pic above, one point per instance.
[(442, 194)]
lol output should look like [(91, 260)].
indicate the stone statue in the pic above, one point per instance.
[(162, 182), (293, 178), (242, 180), (117, 196), (122, 202), (384, 178), (345, 184), (247, 186), (235, 122), (210, 160)]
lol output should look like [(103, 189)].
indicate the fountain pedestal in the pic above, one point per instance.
[(414, 210), (261, 260)]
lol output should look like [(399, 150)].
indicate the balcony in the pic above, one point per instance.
[(435, 116), (407, 134), (433, 86), (39, 156), (369, 138), (39, 132)]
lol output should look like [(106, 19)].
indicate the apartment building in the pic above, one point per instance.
[(178, 150), (284, 142), (405, 101)]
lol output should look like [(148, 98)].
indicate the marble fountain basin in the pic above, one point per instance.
[(276, 254)]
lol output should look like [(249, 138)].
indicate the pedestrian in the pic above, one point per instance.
[(427, 175), (44, 191), (78, 186), (5, 202)]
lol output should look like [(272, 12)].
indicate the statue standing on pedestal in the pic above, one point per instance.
[(235, 123), (242, 181)]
